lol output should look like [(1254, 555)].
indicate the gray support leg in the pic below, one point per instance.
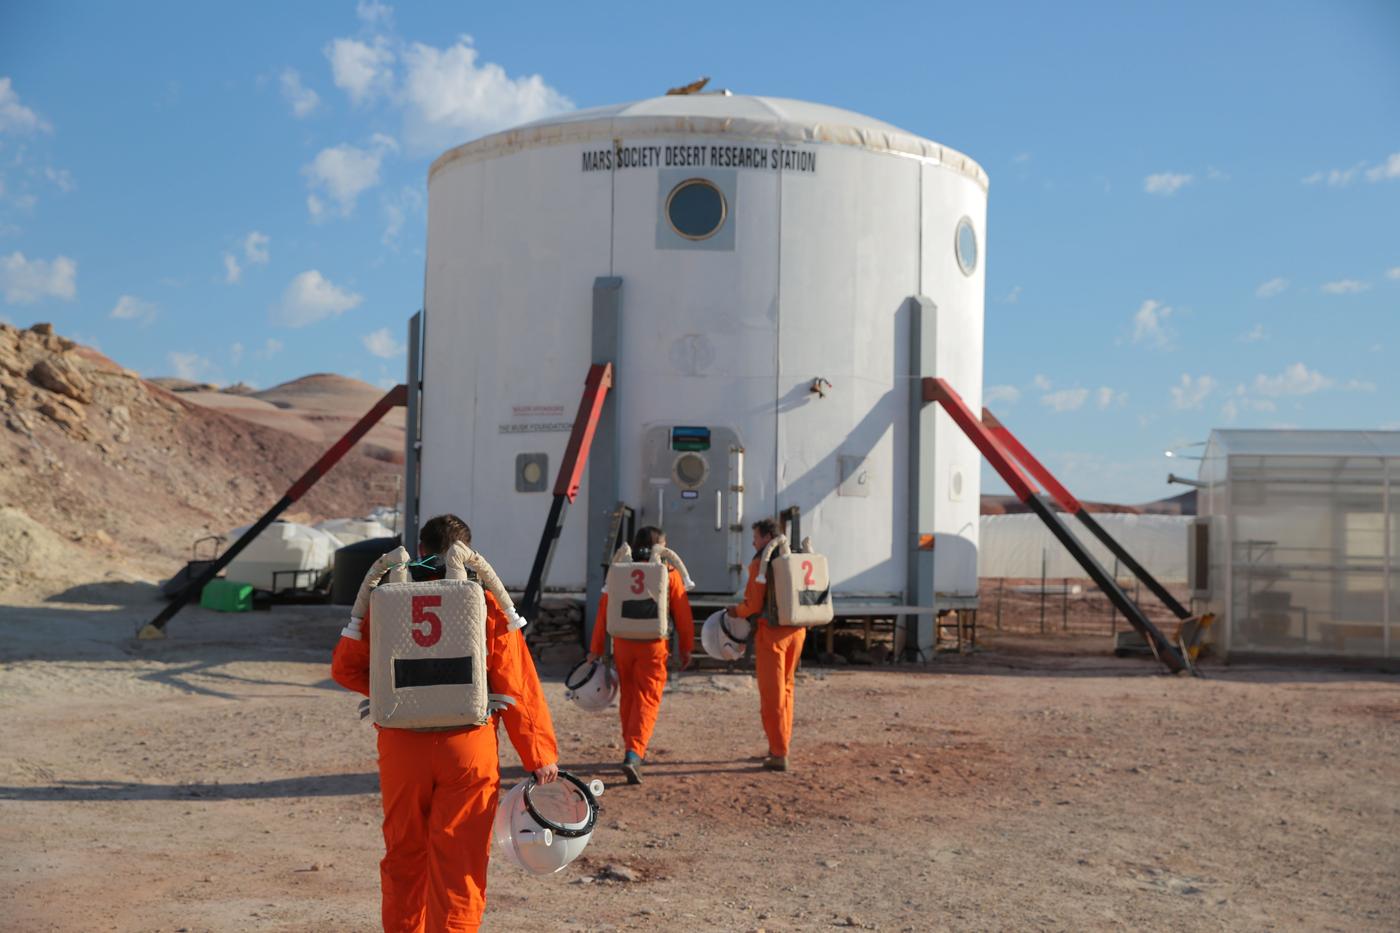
[(606, 456), (923, 333), (412, 434)]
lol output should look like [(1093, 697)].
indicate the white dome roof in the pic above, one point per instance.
[(773, 119)]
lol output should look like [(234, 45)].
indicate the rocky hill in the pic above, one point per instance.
[(106, 473)]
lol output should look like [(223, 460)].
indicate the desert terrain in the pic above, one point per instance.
[(218, 780)]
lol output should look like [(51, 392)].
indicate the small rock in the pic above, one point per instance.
[(63, 415), (826, 863), (620, 873), (43, 330), (58, 374)]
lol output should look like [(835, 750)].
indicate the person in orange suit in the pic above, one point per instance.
[(776, 650), (641, 665), (440, 787)]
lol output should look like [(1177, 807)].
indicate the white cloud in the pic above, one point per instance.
[(1215, 174), (255, 248), (232, 270), (1359, 385), (1345, 287), (1041, 382), (1271, 288), (189, 366), (1388, 169), (1008, 394), (1065, 399), (1242, 402), (1021, 158), (235, 352), (382, 343), (17, 118), (451, 96), (345, 172), (131, 308), (1393, 272), (1106, 398), (61, 178), (1192, 391), (1255, 334), (27, 280), (1150, 324), (310, 298), (1294, 380), (362, 70), (1337, 177), (1013, 296), (397, 209), (271, 348), (1165, 183), (302, 99), (373, 13)]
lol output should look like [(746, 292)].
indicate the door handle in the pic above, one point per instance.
[(719, 510)]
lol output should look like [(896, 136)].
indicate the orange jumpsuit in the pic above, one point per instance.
[(776, 650), (641, 665), (440, 788)]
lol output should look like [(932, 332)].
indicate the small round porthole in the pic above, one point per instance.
[(696, 209), (965, 245), (690, 470)]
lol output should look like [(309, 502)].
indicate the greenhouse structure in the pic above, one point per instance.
[(1296, 547)]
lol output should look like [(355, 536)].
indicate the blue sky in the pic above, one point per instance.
[(1194, 208)]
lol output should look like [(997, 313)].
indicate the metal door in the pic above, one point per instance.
[(689, 492)]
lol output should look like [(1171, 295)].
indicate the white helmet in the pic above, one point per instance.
[(592, 685), (724, 638), (543, 827)]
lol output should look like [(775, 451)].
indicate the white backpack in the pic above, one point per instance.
[(637, 598), (800, 588), (428, 655), (429, 647)]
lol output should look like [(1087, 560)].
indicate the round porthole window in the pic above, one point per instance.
[(965, 245), (690, 470), (696, 209)]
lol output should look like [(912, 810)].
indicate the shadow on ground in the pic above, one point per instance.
[(318, 785)]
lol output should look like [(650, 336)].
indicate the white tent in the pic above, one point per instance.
[(282, 546), (1013, 545)]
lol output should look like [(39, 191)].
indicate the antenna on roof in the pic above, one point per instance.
[(693, 87)]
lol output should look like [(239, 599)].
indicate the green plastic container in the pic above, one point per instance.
[(227, 596)]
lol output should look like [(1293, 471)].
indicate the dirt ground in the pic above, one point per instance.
[(218, 780)]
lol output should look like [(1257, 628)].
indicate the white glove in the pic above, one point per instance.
[(397, 556)]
